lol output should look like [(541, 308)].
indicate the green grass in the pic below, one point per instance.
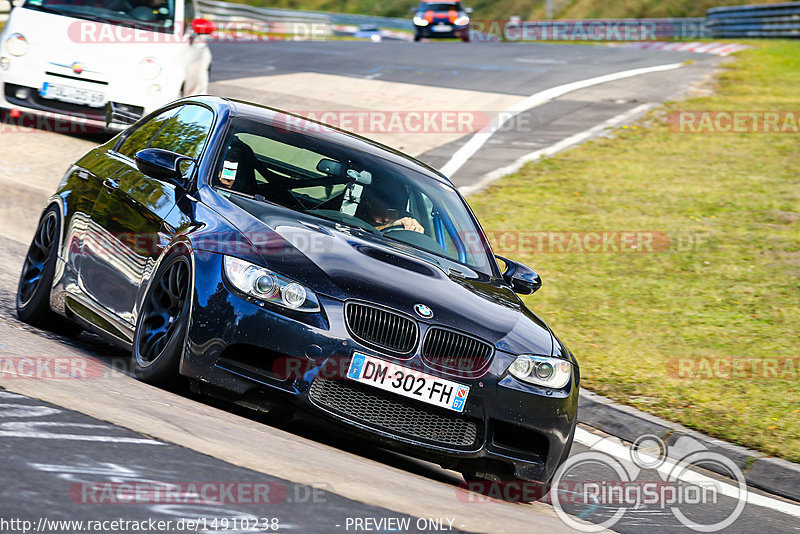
[(527, 9), (734, 293)]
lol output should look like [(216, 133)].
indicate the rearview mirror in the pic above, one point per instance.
[(521, 278), (161, 164), (468, 10)]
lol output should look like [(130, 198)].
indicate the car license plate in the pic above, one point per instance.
[(442, 28), (73, 95), (408, 382)]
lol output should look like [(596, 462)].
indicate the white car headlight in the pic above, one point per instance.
[(461, 21), (542, 371), (16, 44), (148, 68), (263, 284), (419, 21)]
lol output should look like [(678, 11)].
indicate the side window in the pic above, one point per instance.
[(187, 132), (188, 15), (141, 136)]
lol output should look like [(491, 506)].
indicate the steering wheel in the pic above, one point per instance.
[(142, 13)]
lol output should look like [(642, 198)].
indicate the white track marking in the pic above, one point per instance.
[(479, 139), (26, 410), (37, 430), (552, 149), (622, 452)]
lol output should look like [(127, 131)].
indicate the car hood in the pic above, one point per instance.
[(340, 264)]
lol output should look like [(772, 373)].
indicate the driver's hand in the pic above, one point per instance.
[(409, 223)]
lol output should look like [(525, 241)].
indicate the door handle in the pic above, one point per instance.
[(111, 184)]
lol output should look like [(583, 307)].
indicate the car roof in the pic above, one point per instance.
[(259, 113)]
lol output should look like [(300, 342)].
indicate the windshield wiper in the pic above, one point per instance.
[(43, 9), (97, 18)]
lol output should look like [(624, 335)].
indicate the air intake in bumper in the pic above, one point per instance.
[(392, 414)]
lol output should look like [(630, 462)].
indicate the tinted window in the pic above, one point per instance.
[(187, 132), (440, 6), (188, 14), (141, 136), (157, 15)]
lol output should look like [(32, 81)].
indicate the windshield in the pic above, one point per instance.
[(152, 14), (440, 6), (386, 201)]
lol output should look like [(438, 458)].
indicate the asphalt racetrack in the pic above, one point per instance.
[(65, 440)]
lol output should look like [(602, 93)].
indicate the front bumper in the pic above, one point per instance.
[(427, 32), (252, 350), (82, 118), (22, 82)]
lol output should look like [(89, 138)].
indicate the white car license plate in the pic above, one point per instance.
[(442, 28), (74, 95), (408, 382)]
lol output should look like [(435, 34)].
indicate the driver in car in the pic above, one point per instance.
[(380, 210)]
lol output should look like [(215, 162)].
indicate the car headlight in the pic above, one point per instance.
[(16, 44), (419, 21), (266, 285), (461, 21), (542, 371), (149, 68)]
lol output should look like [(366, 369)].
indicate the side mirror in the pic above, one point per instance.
[(468, 10), (521, 278), (161, 164), (203, 26)]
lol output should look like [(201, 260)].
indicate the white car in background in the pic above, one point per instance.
[(71, 58)]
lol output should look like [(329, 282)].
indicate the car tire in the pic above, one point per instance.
[(161, 327), (36, 279), (417, 38), (465, 38)]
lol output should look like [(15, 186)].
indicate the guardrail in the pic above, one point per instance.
[(766, 20), (227, 11)]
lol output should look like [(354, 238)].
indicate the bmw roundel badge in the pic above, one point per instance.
[(423, 311)]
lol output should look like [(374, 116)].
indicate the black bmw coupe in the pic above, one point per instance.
[(275, 261)]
